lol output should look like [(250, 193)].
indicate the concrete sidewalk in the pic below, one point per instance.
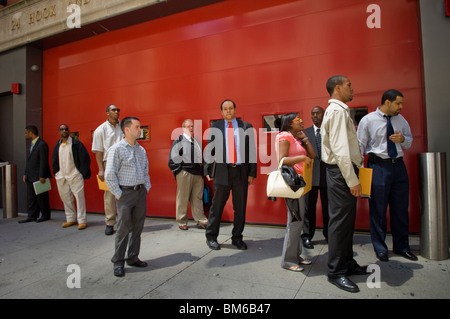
[(36, 259)]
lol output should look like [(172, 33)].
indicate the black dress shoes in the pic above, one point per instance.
[(28, 220), (239, 244), (42, 219), (109, 230), (139, 263), (407, 254), (307, 243), (358, 270), (119, 272), (382, 256), (213, 244), (344, 283)]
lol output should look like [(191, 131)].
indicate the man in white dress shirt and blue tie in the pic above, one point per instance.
[(383, 135)]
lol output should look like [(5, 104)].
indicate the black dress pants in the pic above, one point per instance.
[(37, 203), (342, 215), (309, 224), (238, 187)]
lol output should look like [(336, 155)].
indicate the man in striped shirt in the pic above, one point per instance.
[(127, 178)]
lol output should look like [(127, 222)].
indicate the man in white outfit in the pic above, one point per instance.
[(71, 166)]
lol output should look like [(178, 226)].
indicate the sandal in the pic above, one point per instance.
[(306, 262), (201, 225), (295, 268)]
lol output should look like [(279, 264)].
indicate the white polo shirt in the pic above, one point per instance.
[(105, 136)]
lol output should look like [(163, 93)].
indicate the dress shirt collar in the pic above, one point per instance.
[(126, 144), (186, 136), (234, 122), (380, 113), (340, 103), (110, 124)]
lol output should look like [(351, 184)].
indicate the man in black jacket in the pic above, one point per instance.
[(319, 182), (71, 166), (185, 162), (230, 160), (36, 169)]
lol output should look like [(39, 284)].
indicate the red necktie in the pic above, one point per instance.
[(231, 147)]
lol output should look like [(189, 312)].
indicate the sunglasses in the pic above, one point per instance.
[(64, 129), (297, 119), (115, 110)]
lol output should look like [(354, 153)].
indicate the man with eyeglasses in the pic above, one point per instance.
[(71, 166), (105, 136)]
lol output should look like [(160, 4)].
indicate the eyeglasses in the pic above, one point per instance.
[(64, 129), (115, 110)]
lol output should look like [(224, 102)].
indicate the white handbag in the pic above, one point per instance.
[(277, 187)]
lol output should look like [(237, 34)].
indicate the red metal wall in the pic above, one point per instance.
[(268, 56)]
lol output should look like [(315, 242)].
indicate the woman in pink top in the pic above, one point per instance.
[(293, 145)]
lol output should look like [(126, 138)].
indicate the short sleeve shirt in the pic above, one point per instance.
[(295, 148), (105, 136)]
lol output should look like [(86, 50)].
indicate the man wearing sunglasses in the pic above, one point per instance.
[(105, 136), (71, 166)]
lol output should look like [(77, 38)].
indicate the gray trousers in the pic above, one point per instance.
[(292, 246), (131, 212)]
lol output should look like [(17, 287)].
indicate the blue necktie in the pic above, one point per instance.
[(392, 149)]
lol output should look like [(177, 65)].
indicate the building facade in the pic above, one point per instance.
[(165, 61)]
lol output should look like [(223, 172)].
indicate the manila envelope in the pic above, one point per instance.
[(307, 177), (365, 179), (102, 185)]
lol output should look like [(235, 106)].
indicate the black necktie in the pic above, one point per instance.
[(319, 144), (392, 149)]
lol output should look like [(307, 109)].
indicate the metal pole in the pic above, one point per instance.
[(11, 191), (2, 182), (433, 206)]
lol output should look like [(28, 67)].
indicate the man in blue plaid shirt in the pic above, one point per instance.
[(127, 178)]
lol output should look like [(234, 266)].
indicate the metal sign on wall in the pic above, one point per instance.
[(28, 21)]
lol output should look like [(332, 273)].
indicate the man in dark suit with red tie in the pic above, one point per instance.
[(230, 160), (36, 169)]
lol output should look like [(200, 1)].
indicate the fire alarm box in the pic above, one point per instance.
[(15, 88)]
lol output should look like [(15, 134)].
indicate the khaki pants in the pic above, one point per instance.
[(110, 208), (189, 190), (109, 202), (68, 189)]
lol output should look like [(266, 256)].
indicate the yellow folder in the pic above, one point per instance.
[(307, 177), (102, 184), (365, 179)]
